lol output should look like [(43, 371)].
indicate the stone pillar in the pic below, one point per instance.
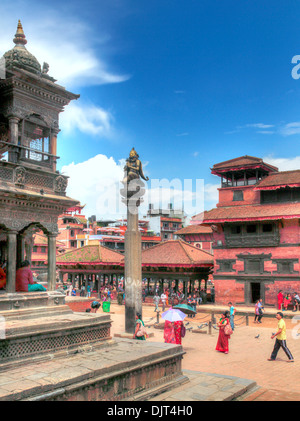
[(53, 149), (132, 192), (51, 262), (133, 272), (13, 129), (11, 261)]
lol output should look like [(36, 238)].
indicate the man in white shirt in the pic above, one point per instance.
[(163, 298)]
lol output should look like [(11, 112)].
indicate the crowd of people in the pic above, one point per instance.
[(171, 297), (286, 299)]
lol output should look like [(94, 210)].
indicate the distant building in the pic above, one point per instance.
[(165, 222), (39, 254), (71, 225), (199, 236), (256, 231), (76, 231)]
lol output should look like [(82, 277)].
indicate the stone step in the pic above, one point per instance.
[(207, 387)]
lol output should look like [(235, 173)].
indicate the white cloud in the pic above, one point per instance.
[(284, 164), (87, 119), (97, 183), (211, 193), (265, 132), (290, 129), (259, 126), (67, 44)]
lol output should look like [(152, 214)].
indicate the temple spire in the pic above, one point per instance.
[(20, 38)]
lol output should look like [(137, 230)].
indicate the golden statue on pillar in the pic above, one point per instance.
[(133, 168)]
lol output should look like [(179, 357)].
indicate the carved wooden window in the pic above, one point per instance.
[(238, 195), (35, 140), (236, 229), (285, 266), (267, 227), (251, 229), (225, 265), (281, 195), (253, 265)]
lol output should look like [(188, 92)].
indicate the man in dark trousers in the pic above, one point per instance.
[(280, 340)]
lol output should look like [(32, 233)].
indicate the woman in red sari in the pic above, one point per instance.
[(177, 329), (2, 278), (222, 344), (169, 332), (280, 299)]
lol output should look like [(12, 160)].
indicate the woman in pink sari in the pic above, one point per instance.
[(169, 333), (222, 344)]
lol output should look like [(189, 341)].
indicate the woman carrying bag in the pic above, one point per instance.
[(140, 331), (224, 333)]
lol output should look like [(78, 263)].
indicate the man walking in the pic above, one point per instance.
[(280, 340), (163, 298), (156, 300)]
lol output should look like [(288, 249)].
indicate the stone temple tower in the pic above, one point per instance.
[(32, 191)]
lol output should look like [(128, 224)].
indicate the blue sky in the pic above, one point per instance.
[(187, 83)]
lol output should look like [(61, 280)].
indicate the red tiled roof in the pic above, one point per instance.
[(39, 257), (252, 212), (94, 254), (40, 239), (194, 229), (175, 253), (280, 179), (242, 161)]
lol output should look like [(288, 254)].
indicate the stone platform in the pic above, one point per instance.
[(41, 333), (122, 369)]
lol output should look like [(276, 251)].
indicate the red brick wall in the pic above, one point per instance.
[(250, 196), (228, 290), (225, 289)]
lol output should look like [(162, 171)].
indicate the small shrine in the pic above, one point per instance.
[(32, 191)]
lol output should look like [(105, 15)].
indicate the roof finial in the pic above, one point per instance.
[(20, 36)]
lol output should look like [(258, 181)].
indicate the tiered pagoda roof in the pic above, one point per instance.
[(280, 180), (91, 255), (242, 163), (194, 229), (252, 213), (174, 253)]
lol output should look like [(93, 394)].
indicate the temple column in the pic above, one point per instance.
[(11, 261), (13, 129), (53, 149), (51, 262)]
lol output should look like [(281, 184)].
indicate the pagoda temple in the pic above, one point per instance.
[(256, 231)]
